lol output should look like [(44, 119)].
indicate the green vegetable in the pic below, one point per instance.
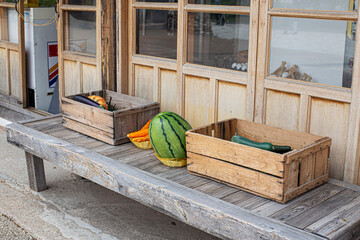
[(167, 135), (262, 145)]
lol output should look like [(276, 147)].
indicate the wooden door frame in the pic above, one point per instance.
[(20, 48), (351, 96), (105, 58), (125, 25)]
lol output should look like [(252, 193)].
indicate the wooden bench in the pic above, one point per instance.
[(330, 211)]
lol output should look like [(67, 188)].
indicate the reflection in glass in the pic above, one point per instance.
[(9, 25), (335, 5), (222, 2), (82, 32), (80, 2), (320, 51), (163, 1), (156, 33), (218, 40)]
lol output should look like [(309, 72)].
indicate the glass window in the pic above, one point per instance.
[(9, 25), (222, 2), (81, 32), (312, 50), (335, 5), (47, 3), (156, 33), (162, 1), (218, 40), (81, 2)]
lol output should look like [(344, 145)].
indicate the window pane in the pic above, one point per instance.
[(47, 3), (163, 1), (9, 25), (320, 51), (80, 2), (156, 33), (336, 5), (82, 32), (218, 40), (222, 2)]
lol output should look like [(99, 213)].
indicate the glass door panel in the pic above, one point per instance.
[(312, 50), (334, 5)]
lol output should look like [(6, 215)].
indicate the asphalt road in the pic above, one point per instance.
[(11, 231)]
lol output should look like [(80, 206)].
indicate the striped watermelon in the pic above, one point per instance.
[(167, 135)]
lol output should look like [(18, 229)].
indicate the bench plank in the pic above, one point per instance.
[(344, 217), (190, 206), (319, 211), (308, 201)]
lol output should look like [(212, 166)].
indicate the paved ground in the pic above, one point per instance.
[(74, 208), (10, 230)]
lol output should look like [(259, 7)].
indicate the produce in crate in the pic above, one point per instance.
[(101, 101), (262, 145), (86, 100), (167, 135), (95, 101), (141, 138)]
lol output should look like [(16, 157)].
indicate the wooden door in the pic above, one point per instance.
[(79, 46), (12, 54), (172, 53), (315, 41)]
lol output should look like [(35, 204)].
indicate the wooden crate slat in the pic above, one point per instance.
[(307, 169), (291, 176), (321, 162), (277, 136), (88, 130), (89, 115), (258, 182), (306, 187), (314, 147), (258, 159)]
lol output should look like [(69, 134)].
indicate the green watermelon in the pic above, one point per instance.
[(167, 135)]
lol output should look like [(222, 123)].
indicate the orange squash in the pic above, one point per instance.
[(99, 100)]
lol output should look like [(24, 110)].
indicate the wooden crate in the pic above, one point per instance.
[(279, 177), (111, 127)]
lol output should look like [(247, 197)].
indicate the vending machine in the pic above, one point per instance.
[(41, 59)]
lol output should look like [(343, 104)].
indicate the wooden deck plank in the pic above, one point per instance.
[(215, 189), (188, 205), (253, 202), (342, 221), (165, 171), (175, 173), (307, 201), (237, 197), (321, 192), (319, 211)]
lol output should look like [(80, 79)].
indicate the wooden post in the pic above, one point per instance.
[(22, 64), (36, 172), (108, 44)]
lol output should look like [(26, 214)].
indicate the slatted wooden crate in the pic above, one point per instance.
[(279, 177), (110, 127)]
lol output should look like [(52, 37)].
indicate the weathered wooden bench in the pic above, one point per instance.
[(330, 211)]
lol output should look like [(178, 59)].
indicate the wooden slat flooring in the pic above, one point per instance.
[(330, 210)]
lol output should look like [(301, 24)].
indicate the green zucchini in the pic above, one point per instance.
[(261, 145)]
